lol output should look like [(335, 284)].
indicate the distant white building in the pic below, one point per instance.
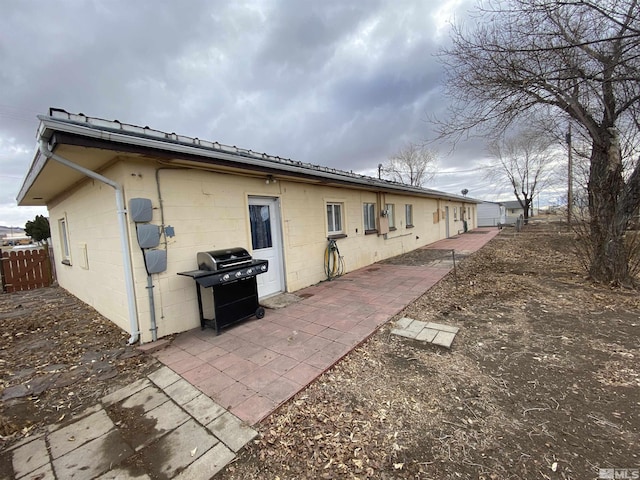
[(514, 210), (491, 214)]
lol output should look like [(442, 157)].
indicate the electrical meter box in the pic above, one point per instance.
[(140, 210), (148, 235), (155, 260)]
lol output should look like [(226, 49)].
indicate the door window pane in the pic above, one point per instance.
[(260, 217)]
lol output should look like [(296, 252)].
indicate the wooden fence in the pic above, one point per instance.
[(25, 270)]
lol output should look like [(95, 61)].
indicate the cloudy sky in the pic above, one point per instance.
[(340, 83)]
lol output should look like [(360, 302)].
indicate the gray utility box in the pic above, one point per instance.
[(140, 210), (155, 260), (148, 235)]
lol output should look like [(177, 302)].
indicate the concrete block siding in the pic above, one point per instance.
[(208, 210)]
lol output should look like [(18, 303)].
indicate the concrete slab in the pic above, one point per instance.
[(163, 377), (122, 474), (178, 449), (148, 398), (444, 328), (78, 433), (24, 441), (403, 333), (30, 457), (208, 464), (43, 473), (444, 339), (164, 418), (182, 391), (85, 413), (125, 392), (426, 335), (404, 322), (232, 431), (93, 458), (415, 327), (203, 409), (280, 301)]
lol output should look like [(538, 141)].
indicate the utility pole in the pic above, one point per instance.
[(570, 178)]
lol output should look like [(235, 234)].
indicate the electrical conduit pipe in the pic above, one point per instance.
[(122, 224)]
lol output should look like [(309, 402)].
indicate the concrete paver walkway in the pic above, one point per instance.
[(194, 413), (195, 436)]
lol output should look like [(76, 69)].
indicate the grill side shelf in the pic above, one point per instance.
[(197, 273)]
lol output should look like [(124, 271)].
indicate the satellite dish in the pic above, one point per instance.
[(465, 191)]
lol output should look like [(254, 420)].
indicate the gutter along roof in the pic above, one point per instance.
[(63, 128)]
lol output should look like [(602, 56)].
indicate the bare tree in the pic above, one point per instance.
[(412, 165), (526, 161), (577, 58)]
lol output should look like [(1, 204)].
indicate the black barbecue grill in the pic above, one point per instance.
[(231, 275)]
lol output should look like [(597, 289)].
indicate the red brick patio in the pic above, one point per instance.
[(255, 366)]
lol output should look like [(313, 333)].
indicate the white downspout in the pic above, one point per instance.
[(122, 223)]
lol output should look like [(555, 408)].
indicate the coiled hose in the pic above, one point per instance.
[(333, 262)]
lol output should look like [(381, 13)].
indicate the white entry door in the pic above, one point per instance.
[(266, 243)]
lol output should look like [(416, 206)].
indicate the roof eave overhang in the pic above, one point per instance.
[(76, 134)]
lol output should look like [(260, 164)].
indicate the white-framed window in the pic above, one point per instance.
[(391, 215), (334, 218), (408, 214), (369, 214), (64, 240), (455, 214)]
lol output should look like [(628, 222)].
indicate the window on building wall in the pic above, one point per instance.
[(391, 215), (455, 214), (334, 219), (369, 214), (408, 214), (64, 241)]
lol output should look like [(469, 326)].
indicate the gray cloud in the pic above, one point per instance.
[(342, 84)]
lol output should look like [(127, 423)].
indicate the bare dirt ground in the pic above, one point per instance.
[(543, 380), (58, 356)]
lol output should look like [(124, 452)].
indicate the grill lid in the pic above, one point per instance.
[(220, 259)]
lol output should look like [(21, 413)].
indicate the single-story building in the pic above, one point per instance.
[(514, 210), (491, 214), (101, 180)]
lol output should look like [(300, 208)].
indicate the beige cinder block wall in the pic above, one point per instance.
[(209, 210), (95, 272)]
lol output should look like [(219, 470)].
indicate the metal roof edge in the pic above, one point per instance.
[(37, 164), (117, 132)]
